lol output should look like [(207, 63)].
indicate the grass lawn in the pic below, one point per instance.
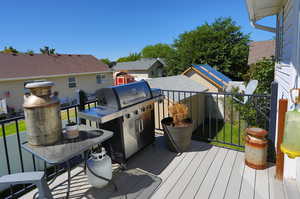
[(222, 132), (10, 128)]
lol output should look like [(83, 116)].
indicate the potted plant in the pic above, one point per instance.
[(72, 130), (178, 128)]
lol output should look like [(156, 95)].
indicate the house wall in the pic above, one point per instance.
[(156, 70), (196, 105), (139, 74), (86, 82), (287, 68), (198, 78)]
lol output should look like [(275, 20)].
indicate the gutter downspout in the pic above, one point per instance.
[(262, 27)]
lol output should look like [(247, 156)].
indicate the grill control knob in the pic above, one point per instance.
[(136, 112), (143, 109), (127, 116)]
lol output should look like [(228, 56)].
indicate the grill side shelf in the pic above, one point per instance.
[(94, 115)]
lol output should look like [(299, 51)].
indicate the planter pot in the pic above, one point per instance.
[(181, 135), (72, 131)]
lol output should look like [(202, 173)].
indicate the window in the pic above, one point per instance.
[(72, 82), (100, 78)]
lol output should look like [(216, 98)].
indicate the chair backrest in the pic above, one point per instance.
[(250, 88)]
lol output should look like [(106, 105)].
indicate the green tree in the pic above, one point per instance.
[(106, 61), (220, 44), (157, 51), (47, 50), (263, 71), (9, 49), (131, 57), (29, 52)]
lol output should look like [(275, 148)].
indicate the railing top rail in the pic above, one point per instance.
[(23, 117), (221, 93)]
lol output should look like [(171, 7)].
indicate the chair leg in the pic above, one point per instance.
[(44, 191)]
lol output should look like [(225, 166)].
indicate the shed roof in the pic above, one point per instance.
[(210, 73), (15, 66), (260, 49), (142, 64), (177, 83)]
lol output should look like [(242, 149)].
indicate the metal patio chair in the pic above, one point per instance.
[(37, 178), (249, 90)]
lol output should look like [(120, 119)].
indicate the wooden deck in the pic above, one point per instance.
[(204, 171)]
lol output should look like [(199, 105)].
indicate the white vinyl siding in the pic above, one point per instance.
[(286, 37), (287, 69)]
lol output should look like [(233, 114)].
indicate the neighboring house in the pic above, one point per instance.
[(287, 67), (207, 76), (68, 72), (187, 87), (142, 69), (260, 49)]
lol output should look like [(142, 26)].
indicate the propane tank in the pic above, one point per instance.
[(42, 114), (290, 144), (99, 169)]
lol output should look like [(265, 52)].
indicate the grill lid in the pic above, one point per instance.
[(122, 96)]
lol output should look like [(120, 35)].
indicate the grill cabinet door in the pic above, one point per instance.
[(131, 133)]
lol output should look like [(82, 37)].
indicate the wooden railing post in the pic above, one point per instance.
[(283, 103)]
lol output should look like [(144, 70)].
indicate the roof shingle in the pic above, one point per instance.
[(25, 65), (177, 83), (260, 49), (142, 64)]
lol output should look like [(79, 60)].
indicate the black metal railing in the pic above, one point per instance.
[(12, 156), (220, 118)]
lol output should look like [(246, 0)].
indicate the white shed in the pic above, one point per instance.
[(287, 67)]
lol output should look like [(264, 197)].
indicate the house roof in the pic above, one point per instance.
[(208, 72), (142, 64), (15, 66), (177, 83), (260, 49), (259, 9)]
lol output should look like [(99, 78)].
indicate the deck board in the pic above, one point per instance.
[(187, 176), (211, 176), (196, 181), (275, 186), (291, 189), (174, 177), (220, 187), (261, 185), (248, 183), (205, 171), (236, 177)]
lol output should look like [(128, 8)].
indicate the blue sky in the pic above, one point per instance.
[(113, 28)]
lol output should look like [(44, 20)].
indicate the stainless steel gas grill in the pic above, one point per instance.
[(128, 111)]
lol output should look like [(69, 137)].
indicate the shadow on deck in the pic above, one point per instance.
[(205, 171)]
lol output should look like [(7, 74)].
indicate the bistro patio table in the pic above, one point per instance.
[(64, 150)]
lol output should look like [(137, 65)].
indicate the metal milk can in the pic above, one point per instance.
[(42, 114), (99, 169), (256, 147)]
